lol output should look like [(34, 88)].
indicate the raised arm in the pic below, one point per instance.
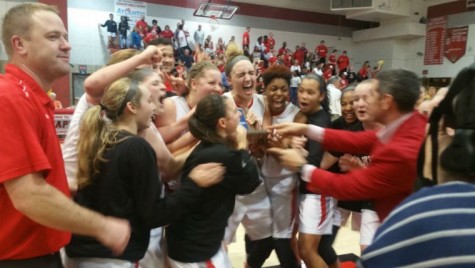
[(97, 82)]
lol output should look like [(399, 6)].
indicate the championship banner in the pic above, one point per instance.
[(435, 39), (133, 10), (456, 43)]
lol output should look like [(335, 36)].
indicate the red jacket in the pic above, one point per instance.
[(390, 177)]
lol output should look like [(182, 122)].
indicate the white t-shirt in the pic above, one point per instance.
[(295, 81), (334, 94)]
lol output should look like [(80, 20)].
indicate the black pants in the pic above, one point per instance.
[(46, 261)]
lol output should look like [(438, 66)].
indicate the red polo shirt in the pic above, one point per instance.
[(29, 145)]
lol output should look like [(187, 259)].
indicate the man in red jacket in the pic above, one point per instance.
[(394, 149)]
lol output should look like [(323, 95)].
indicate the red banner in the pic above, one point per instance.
[(456, 43), (435, 38)]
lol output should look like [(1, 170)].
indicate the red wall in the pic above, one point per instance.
[(446, 9), (61, 86)]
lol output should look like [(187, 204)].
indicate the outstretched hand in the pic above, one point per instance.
[(292, 159), (290, 128)]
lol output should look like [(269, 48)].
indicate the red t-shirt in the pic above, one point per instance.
[(332, 59), (149, 38), (29, 145), (142, 26), (245, 38), (343, 62), (270, 43), (167, 34), (322, 51), (282, 51)]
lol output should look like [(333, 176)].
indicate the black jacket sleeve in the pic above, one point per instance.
[(153, 210), (241, 172)]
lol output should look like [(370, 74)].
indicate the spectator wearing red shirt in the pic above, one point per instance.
[(36, 212), (155, 27), (304, 51), (327, 71), (149, 37), (283, 50), (270, 41), (142, 26), (322, 50), (299, 55), (288, 60), (343, 80), (167, 33), (245, 39), (363, 73), (343, 62)]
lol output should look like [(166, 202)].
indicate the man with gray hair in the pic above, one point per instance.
[(199, 36), (35, 209)]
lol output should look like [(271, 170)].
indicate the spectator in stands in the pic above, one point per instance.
[(390, 177), (167, 33), (209, 46), (155, 27), (343, 80), (332, 60), (321, 50), (351, 75), (294, 84), (434, 226), (245, 39), (199, 36), (296, 67), (181, 38), (111, 30), (343, 62), (37, 212), (136, 39), (363, 73), (57, 104), (149, 37), (283, 50), (318, 70), (377, 68), (304, 52), (299, 55), (123, 29), (142, 26), (187, 59), (270, 41), (334, 96)]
